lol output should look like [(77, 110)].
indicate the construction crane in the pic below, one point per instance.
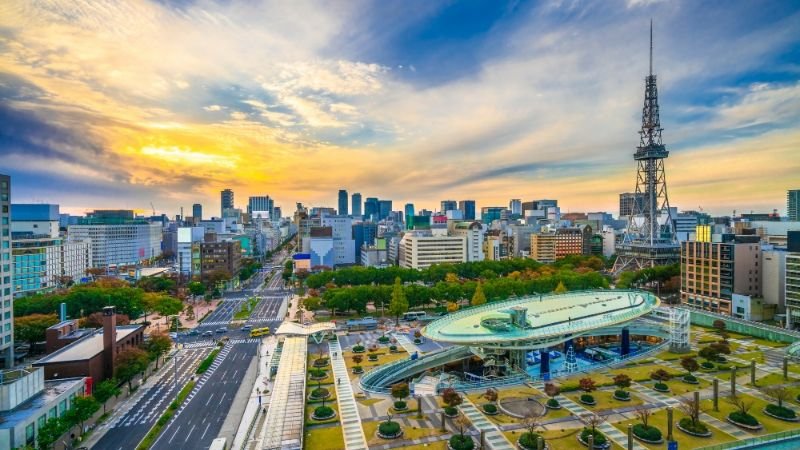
[(154, 208)]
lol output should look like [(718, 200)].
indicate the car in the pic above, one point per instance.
[(247, 327), (193, 333), (173, 335), (208, 333), (222, 330)]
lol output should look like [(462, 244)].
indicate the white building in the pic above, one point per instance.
[(474, 234), (189, 238), (344, 246), (38, 219), (128, 242), (6, 272), (419, 250), (773, 282)]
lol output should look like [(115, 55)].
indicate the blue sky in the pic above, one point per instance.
[(415, 101)]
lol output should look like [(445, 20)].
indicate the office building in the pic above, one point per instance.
[(773, 281), (343, 199), (35, 219), (491, 213), (260, 203), (515, 206), (344, 249), (685, 225), (6, 275), (468, 208), (43, 264), (713, 270), (408, 215), (519, 237), (551, 245), (321, 248), (448, 205), (792, 280), (197, 212), (473, 233), (793, 204), (496, 245), (226, 200), (223, 257), (188, 252), (375, 255), (117, 238), (371, 209), (630, 202), (276, 213), (356, 204), (419, 250), (384, 209), (364, 234)]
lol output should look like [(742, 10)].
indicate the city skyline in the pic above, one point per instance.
[(445, 101)]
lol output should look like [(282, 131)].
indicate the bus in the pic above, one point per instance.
[(255, 332), (414, 315), (218, 444)]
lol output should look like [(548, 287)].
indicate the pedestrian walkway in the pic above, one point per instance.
[(352, 431), (495, 440), (259, 396), (607, 429), (406, 343), (283, 427)]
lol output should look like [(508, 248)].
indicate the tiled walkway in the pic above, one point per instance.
[(406, 343), (352, 432), (495, 440)]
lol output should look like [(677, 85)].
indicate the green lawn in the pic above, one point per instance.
[(323, 438), (642, 373), (758, 356), (604, 400), (659, 420), (669, 356), (423, 429), (310, 410), (556, 439), (247, 308), (770, 425), (771, 379)]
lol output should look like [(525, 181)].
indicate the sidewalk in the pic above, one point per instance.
[(201, 307)]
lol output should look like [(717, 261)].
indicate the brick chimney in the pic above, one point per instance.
[(109, 340)]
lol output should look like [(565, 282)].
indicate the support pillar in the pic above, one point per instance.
[(540, 443), (544, 364), (625, 343), (483, 441), (716, 394), (785, 368), (591, 442), (444, 427), (753, 371), (669, 423), (733, 380), (630, 437)]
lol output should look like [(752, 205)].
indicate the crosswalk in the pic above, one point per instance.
[(211, 343)]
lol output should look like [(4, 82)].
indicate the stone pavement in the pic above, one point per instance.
[(352, 432), (406, 343), (260, 386), (495, 440)]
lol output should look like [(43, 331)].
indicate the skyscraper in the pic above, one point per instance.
[(448, 205), (6, 272), (468, 208), (515, 205), (793, 204), (371, 208), (650, 238), (343, 202), (408, 215), (356, 209), (260, 203), (629, 202), (226, 200), (197, 212), (384, 209)]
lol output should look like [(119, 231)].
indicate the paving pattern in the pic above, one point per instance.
[(352, 431), (494, 439)]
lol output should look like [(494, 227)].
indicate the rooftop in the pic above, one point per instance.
[(52, 390), (86, 347)]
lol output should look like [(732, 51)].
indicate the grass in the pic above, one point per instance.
[(641, 373), (438, 445), (206, 363), (369, 401), (310, 410), (758, 356), (555, 439), (324, 438), (599, 379), (669, 356), (384, 357), (679, 387), (765, 343), (422, 429), (604, 400), (770, 425), (771, 379), (659, 420), (162, 421)]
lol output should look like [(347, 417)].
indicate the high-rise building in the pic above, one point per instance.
[(712, 272), (364, 234), (515, 205), (6, 273), (197, 212), (343, 242), (448, 205), (343, 199), (474, 234), (356, 204), (117, 237), (261, 204), (35, 219), (468, 208), (43, 264), (491, 213), (371, 209), (792, 277), (384, 209), (630, 202), (549, 246), (220, 257), (793, 204), (226, 200), (650, 238), (188, 250), (419, 250)]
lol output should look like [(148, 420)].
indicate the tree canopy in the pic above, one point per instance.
[(31, 329)]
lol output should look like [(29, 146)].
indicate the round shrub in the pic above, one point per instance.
[(318, 373), (661, 387), (392, 348), (390, 428), (400, 405), (622, 394), (553, 403), (373, 357), (358, 369), (417, 341), (450, 410), (743, 418), (529, 440), (648, 433), (459, 442), (383, 339), (781, 411), (358, 349), (599, 439), (699, 427), (320, 393), (708, 365), (721, 359), (320, 362), (587, 398), (323, 412), (490, 408), (689, 378)]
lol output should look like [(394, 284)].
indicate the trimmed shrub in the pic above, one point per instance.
[(622, 394), (390, 428), (317, 373), (781, 411), (459, 442), (490, 408), (529, 440), (383, 339), (553, 403), (699, 427), (320, 393), (708, 365), (587, 398), (323, 412), (358, 369), (661, 387), (373, 357), (599, 438), (721, 359), (392, 348), (358, 349), (400, 405), (689, 378), (743, 418), (419, 341), (320, 362), (648, 433), (450, 410)]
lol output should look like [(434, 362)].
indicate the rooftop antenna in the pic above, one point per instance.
[(651, 47)]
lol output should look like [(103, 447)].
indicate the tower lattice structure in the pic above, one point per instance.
[(650, 238)]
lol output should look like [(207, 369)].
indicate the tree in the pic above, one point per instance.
[(31, 329), (83, 407), (95, 320), (159, 344), (531, 422), (451, 278), (643, 413), (689, 364), (168, 306), (399, 303), (50, 431), (129, 363), (478, 298), (312, 303), (400, 391), (779, 393), (622, 381), (196, 288), (587, 384), (104, 390), (660, 375), (491, 395), (560, 289), (462, 423), (452, 307), (451, 397), (691, 408), (551, 390), (708, 353), (591, 420), (357, 359), (742, 405), (719, 325)]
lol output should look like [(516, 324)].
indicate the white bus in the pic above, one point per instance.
[(218, 444), (414, 315)]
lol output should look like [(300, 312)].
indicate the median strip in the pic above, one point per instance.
[(162, 421), (207, 362)]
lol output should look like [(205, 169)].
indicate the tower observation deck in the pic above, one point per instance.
[(649, 239)]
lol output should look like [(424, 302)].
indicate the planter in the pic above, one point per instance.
[(663, 391), (593, 402), (785, 419), (372, 357), (523, 447), (692, 433), (488, 413), (647, 441), (605, 446), (450, 447), (622, 399), (690, 380), (312, 397), (388, 436), (314, 416), (746, 427), (454, 414), (553, 407), (418, 341), (359, 350), (358, 371), (319, 378), (320, 362)]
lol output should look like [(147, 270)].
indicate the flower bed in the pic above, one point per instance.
[(697, 430), (691, 379), (661, 387), (780, 413), (552, 404), (621, 395), (647, 434), (459, 442), (490, 409), (744, 420), (323, 413), (587, 399), (390, 430)]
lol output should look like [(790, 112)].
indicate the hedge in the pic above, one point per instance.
[(206, 363), (390, 428), (649, 433), (743, 418), (781, 411)]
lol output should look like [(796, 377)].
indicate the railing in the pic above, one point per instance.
[(755, 442), (762, 326), (373, 380)]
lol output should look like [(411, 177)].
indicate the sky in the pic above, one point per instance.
[(120, 104)]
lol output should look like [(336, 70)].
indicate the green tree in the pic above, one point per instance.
[(31, 329), (82, 409), (129, 363), (312, 303), (400, 391), (478, 298), (196, 288), (399, 303), (560, 289), (104, 390), (159, 344), (168, 306), (50, 431)]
